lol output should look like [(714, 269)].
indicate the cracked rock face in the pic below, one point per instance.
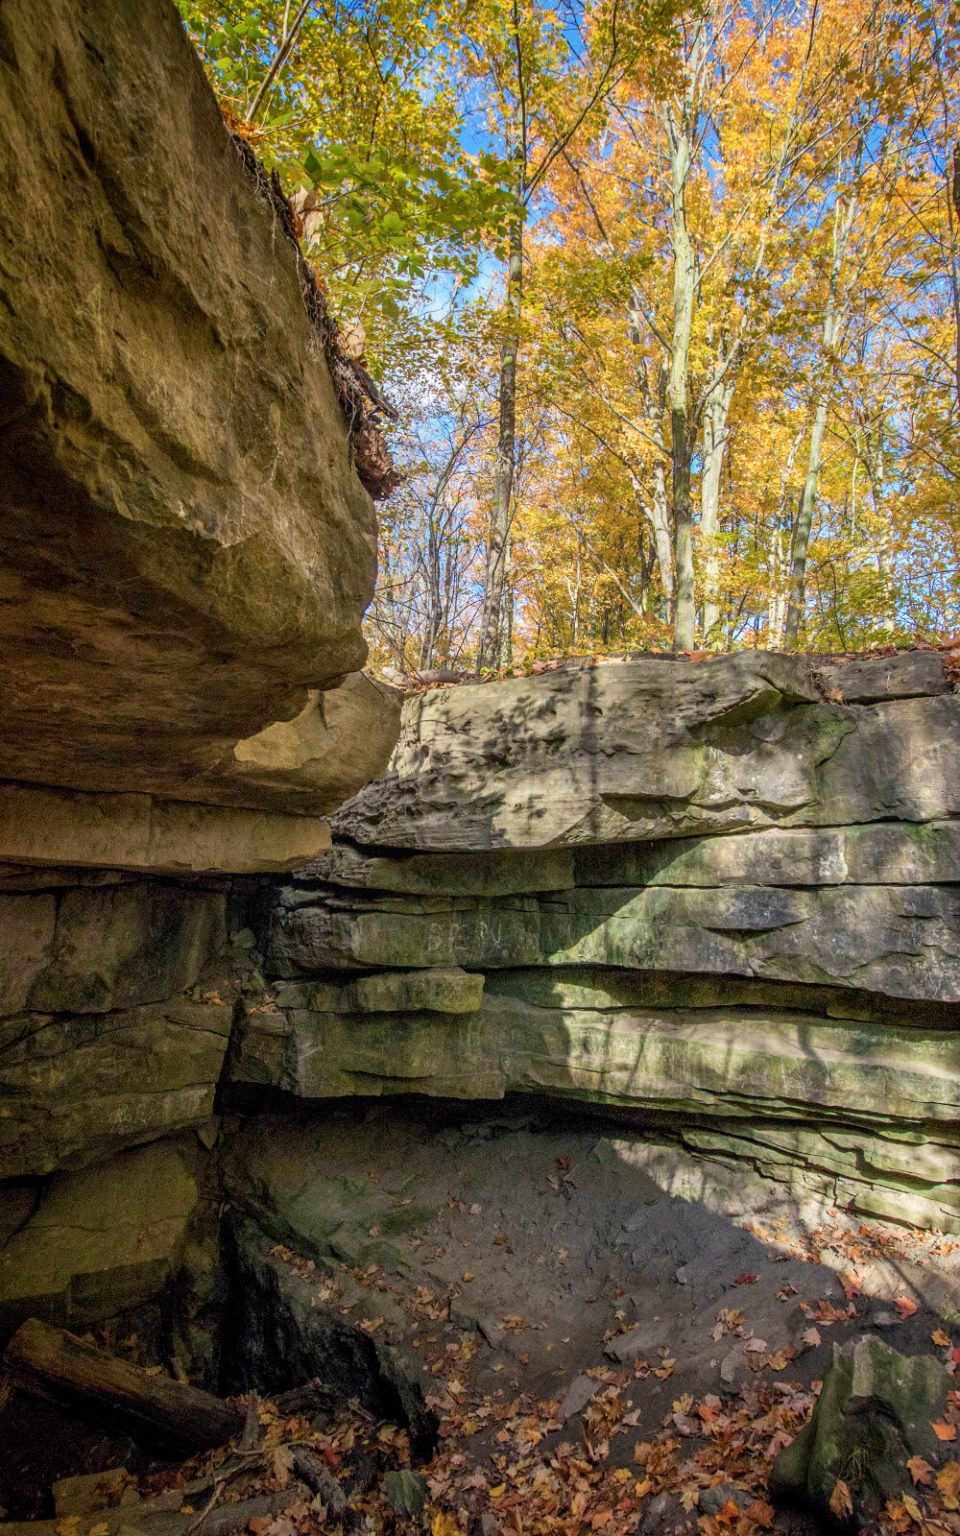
[(784, 995), (657, 748), (186, 548)]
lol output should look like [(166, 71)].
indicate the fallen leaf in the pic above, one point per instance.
[(920, 1470), (841, 1503), (778, 1443), (905, 1307), (940, 1338), (912, 1508), (948, 1479), (282, 1465), (755, 1347), (944, 1431), (746, 1279), (811, 1337), (444, 1524), (784, 1294)]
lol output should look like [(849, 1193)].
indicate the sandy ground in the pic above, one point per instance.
[(589, 1247)]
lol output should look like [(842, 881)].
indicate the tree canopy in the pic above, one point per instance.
[(667, 296)]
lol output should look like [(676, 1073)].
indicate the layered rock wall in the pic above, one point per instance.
[(720, 899)]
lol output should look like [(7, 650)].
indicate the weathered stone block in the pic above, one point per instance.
[(101, 1241), (122, 945), (656, 748), (873, 1414), (26, 943), (438, 991), (321, 937), (78, 1088), (901, 940)]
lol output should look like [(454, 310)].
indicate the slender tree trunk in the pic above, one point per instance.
[(684, 284), (834, 320), (662, 542), (804, 526), (434, 600), (505, 652), (498, 535), (679, 133), (777, 558), (715, 437), (654, 406)]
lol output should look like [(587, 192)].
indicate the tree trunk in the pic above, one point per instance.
[(679, 130), (715, 437), (53, 1364), (654, 406), (684, 629), (834, 321), (801, 539), (498, 535), (777, 565)]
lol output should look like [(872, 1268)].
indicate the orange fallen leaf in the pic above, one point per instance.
[(746, 1279), (841, 1503), (941, 1339), (943, 1431), (920, 1470), (905, 1307)]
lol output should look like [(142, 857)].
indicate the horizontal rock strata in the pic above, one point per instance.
[(784, 994), (109, 1037)]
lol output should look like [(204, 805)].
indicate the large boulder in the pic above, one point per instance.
[(186, 548)]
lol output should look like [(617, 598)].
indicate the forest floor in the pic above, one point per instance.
[(616, 1336), (621, 1335)]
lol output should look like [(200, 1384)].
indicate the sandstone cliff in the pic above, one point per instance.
[(785, 992), (185, 545)]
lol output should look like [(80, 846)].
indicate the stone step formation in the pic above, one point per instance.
[(721, 899)]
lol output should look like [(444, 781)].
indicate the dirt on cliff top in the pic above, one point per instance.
[(421, 681)]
